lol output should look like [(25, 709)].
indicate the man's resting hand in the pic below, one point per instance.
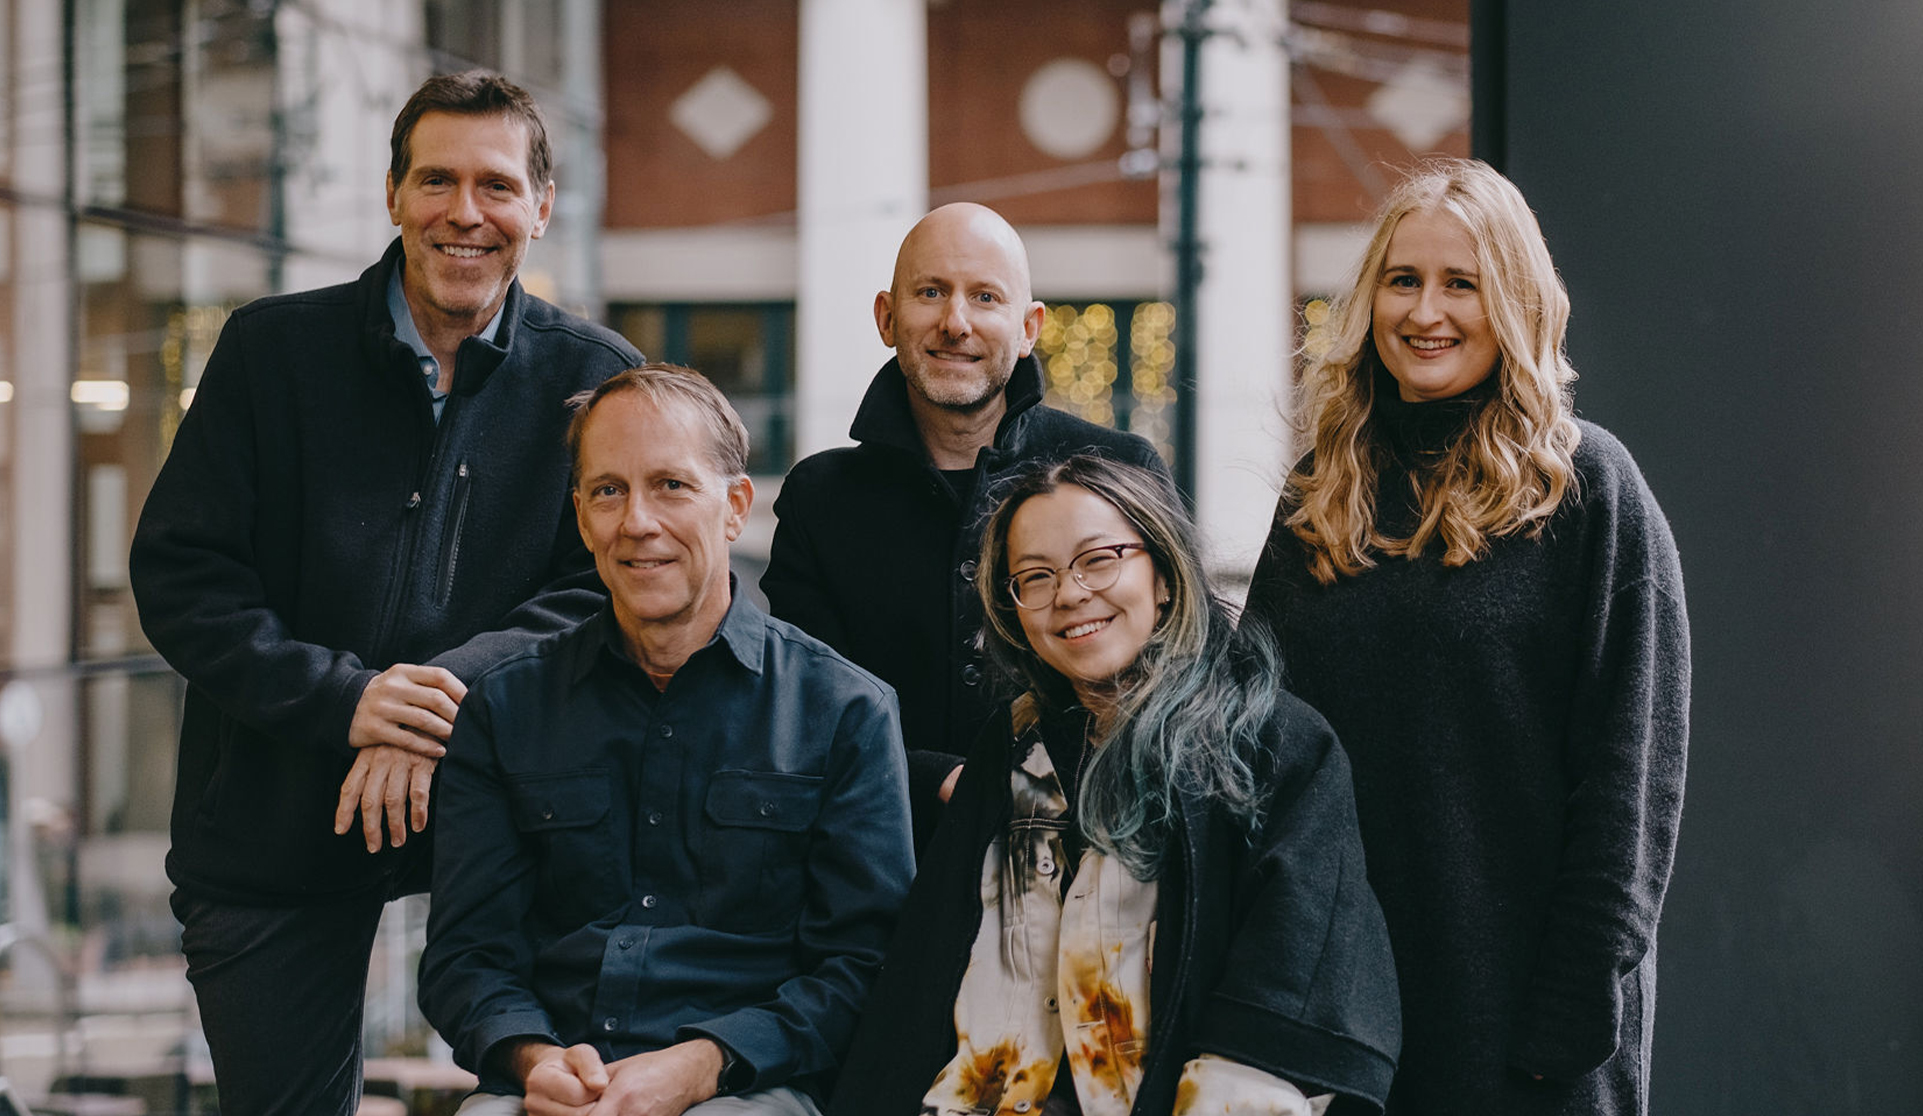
[(574, 1082), (386, 780), (408, 706)]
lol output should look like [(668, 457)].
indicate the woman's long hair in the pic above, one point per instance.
[(1510, 472), (1190, 711)]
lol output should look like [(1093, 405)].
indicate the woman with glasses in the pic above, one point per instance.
[(1147, 894), (1480, 593)]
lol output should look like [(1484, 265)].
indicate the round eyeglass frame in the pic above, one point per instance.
[(1075, 569)]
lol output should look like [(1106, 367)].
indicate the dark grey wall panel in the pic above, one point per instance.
[(1734, 194)]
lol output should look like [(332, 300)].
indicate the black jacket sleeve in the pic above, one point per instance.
[(194, 571), (477, 970), (1628, 740), (573, 594), (1308, 989)]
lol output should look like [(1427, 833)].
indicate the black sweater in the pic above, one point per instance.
[(314, 525), (1518, 729)]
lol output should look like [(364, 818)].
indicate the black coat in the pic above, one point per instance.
[(313, 525), (1517, 728), (1269, 951), (874, 555)]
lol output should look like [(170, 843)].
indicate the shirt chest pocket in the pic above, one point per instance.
[(754, 851), (564, 816)]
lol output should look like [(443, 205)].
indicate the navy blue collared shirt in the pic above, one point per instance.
[(631, 868)]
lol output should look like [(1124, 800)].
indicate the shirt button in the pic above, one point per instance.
[(971, 675), (767, 810), (654, 817), (649, 901), (968, 570), (608, 1023), (1049, 1003), (625, 943), (1022, 1106), (547, 813), (667, 731)]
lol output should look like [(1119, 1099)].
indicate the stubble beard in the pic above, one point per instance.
[(961, 396)]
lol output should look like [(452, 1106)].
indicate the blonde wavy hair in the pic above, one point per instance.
[(1514, 465)]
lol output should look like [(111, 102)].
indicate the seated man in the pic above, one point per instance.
[(673, 838)]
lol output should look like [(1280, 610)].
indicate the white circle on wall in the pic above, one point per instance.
[(1070, 107)]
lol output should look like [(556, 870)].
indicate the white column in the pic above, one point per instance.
[(41, 446), (862, 182), (1244, 314)]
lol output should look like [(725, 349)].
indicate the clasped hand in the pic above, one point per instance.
[(400, 730), (575, 1082)]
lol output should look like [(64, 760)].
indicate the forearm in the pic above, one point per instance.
[(1621, 821), (251, 669), (475, 985)]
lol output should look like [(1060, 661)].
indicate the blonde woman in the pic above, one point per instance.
[(1479, 592)]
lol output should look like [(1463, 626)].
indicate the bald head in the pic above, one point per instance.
[(963, 229), (959, 312)]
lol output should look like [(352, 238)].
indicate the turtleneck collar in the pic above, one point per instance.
[(1425, 430)]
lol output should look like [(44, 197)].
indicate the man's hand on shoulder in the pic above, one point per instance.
[(662, 1083), (408, 706), (389, 781)]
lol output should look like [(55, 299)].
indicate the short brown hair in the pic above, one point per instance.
[(473, 93), (659, 383)]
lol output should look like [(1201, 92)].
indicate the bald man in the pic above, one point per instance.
[(874, 552)]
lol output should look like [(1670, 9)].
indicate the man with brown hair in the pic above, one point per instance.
[(364, 509)]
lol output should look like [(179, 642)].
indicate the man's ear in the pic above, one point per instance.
[(741, 497), (393, 202), (1032, 326), (544, 211), (885, 316)]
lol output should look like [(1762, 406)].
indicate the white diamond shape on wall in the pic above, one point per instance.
[(1421, 104), (720, 112)]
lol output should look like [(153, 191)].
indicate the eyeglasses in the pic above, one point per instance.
[(1094, 571)]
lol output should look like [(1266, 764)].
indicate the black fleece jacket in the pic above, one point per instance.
[(1518, 728), (874, 555), (313, 525), (1268, 949)]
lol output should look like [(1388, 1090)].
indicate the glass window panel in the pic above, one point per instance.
[(230, 99), (467, 31), (747, 349)]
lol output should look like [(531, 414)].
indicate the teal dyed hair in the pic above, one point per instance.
[(1190, 712)]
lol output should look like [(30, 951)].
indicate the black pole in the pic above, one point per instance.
[(1188, 248)]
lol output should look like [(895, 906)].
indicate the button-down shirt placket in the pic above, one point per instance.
[(725, 758)]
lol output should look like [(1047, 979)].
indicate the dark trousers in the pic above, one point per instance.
[(281, 992)]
